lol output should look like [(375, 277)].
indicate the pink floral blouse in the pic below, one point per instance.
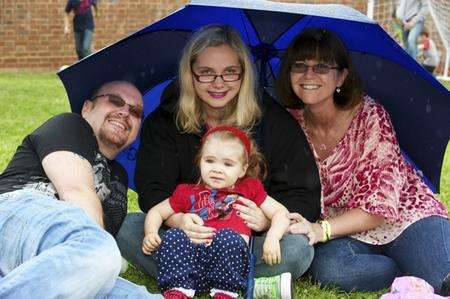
[(366, 170)]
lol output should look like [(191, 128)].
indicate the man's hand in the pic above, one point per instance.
[(150, 243), (66, 24), (271, 251), (193, 226), (252, 215)]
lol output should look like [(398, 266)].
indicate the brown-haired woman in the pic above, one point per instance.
[(379, 219)]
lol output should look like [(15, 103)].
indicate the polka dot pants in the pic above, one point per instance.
[(223, 265)]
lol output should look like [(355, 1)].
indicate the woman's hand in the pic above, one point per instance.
[(193, 226), (150, 243), (271, 251), (300, 225), (252, 215)]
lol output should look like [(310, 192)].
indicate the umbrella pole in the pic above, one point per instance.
[(251, 272)]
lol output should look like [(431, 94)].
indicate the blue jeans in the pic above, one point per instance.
[(410, 39), (52, 249), (296, 254), (83, 41), (422, 250)]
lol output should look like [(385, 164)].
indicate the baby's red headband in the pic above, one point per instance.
[(233, 130)]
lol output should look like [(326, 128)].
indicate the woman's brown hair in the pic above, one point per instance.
[(325, 46)]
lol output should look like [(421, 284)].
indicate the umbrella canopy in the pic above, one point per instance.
[(418, 104)]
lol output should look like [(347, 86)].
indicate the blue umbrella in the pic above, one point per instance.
[(418, 104)]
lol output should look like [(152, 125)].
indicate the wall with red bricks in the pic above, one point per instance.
[(32, 37)]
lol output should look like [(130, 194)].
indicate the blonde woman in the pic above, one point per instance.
[(217, 86)]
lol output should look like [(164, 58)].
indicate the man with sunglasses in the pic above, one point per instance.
[(63, 198)]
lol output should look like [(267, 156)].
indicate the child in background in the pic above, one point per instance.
[(428, 52), (230, 167)]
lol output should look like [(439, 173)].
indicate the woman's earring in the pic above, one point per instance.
[(338, 89)]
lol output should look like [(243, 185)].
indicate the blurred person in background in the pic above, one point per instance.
[(412, 13), (428, 52), (83, 24)]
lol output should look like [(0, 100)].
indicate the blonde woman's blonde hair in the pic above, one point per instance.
[(243, 111)]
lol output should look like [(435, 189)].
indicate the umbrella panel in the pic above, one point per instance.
[(404, 93), (145, 60)]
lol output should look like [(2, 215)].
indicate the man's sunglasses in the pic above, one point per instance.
[(117, 101), (321, 68)]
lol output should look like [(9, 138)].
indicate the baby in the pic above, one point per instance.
[(230, 168)]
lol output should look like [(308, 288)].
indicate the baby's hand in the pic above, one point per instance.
[(271, 251), (150, 243)]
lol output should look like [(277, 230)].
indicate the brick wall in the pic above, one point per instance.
[(32, 37), (31, 32)]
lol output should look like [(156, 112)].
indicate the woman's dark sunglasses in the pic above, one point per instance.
[(117, 101), (321, 68)]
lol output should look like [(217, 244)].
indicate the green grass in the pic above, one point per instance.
[(27, 99)]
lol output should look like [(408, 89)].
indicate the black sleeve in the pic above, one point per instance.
[(293, 178), (65, 132), (157, 168), (69, 6)]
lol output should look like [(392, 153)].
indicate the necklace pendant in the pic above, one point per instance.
[(323, 147)]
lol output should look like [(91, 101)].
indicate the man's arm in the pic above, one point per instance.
[(66, 23), (94, 4), (73, 178), (67, 11)]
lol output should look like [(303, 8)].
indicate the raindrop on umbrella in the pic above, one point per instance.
[(428, 107)]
